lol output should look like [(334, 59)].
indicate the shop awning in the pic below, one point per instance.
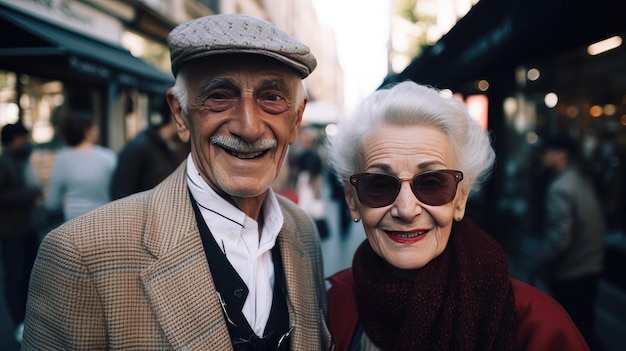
[(498, 33), (33, 46)]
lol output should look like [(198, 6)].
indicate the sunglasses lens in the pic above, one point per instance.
[(435, 188), (377, 190)]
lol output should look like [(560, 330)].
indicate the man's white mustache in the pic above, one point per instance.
[(237, 144)]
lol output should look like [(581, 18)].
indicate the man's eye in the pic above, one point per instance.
[(217, 96), (273, 103), (274, 97), (219, 102)]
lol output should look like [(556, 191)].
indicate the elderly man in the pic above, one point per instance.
[(211, 258)]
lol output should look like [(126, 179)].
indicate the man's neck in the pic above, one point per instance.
[(251, 206)]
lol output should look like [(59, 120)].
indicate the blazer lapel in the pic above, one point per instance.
[(178, 285), (305, 285), (300, 290)]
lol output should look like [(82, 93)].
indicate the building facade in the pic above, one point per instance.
[(111, 57)]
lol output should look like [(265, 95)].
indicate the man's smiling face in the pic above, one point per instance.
[(243, 113)]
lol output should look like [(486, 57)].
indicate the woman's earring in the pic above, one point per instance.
[(356, 220)]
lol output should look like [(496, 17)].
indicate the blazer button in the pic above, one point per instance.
[(238, 293)]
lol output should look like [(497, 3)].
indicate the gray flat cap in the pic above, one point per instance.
[(237, 34)]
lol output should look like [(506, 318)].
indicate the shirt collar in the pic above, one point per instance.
[(225, 214)]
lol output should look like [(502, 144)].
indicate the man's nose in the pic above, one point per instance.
[(248, 122)]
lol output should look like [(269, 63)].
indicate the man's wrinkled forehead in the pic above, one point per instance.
[(227, 69)]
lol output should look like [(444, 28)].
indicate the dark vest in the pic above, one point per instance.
[(233, 293)]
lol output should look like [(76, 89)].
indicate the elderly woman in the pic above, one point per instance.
[(426, 278)]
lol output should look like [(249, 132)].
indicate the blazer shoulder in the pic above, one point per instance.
[(103, 225)]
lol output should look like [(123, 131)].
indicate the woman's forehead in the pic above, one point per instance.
[(418, 144)]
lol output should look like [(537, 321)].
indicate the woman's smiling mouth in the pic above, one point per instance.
[(406, 237)]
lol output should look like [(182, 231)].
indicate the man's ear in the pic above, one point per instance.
[(296, 127), (179, 117)]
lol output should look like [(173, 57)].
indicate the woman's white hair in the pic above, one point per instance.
[(409, 104)]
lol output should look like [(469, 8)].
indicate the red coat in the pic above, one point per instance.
[(542, 323)]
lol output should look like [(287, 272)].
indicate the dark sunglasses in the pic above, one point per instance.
[(434, 188)]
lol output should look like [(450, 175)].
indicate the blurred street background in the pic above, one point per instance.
[(527, 69)]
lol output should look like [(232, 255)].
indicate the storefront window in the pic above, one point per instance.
[(31, 100), (582, 96), (9, 110)]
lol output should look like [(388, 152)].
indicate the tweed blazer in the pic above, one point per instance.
[(133, 275)]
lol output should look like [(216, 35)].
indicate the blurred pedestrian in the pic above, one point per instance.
[(42, 158), (571, 256), (149, 158), (309, 171), (211, 258), (20, 190), (343, 211), (82, 171), (426, 277)]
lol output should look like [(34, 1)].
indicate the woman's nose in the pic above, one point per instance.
[(406, 205)]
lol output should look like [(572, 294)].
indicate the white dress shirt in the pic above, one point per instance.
[(237, 235)]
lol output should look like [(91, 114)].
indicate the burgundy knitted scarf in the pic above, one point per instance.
[(462, 300)]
